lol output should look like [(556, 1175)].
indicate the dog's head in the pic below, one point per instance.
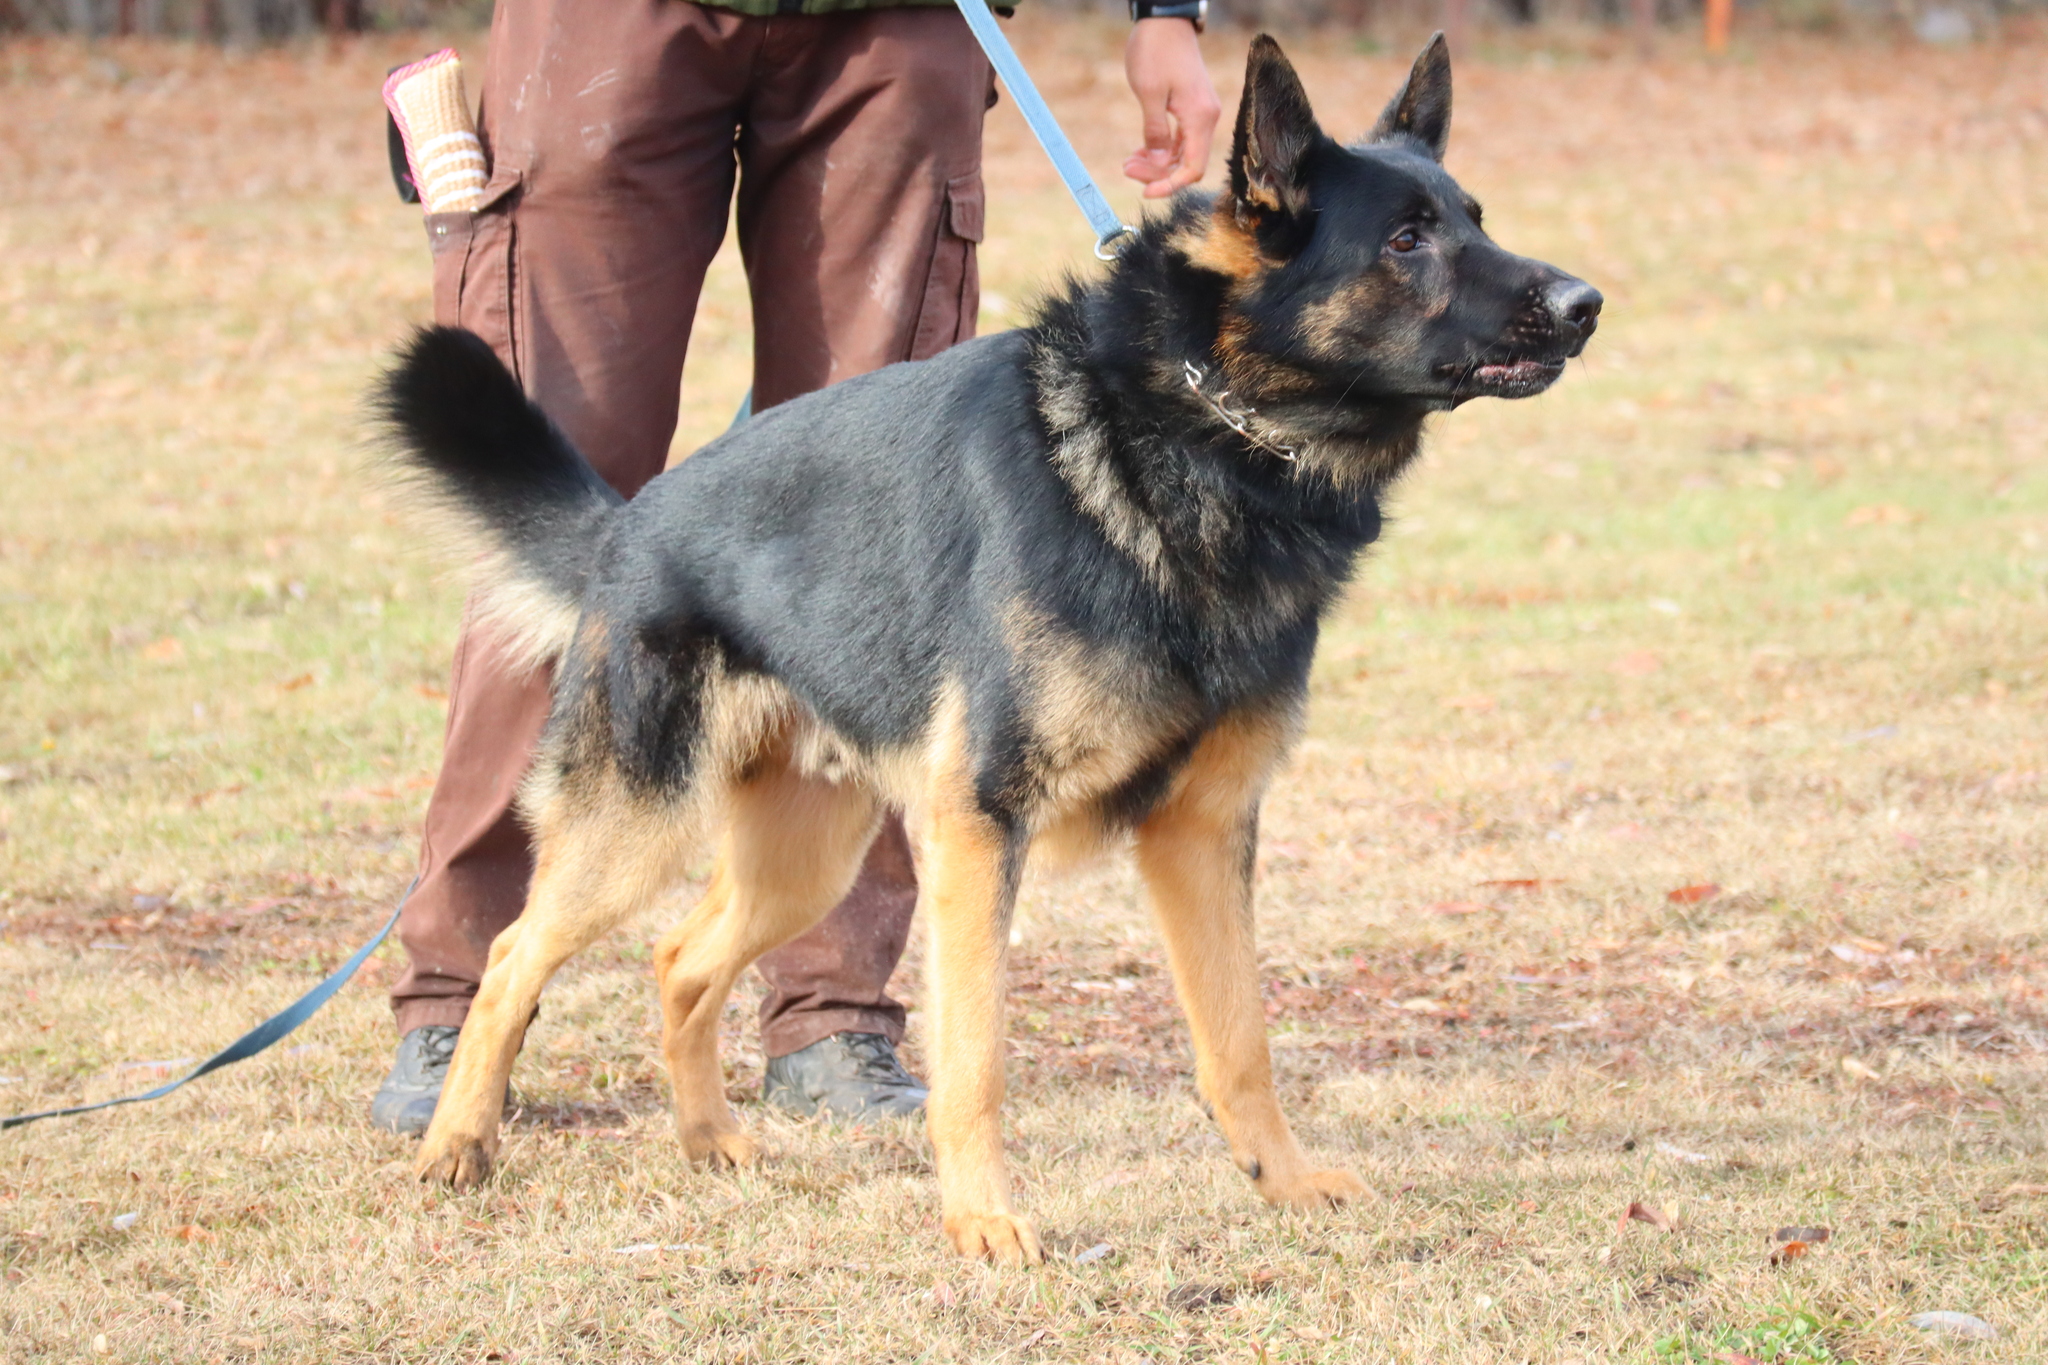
[(1361, 274)]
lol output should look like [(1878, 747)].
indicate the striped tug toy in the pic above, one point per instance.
[(427, 103)]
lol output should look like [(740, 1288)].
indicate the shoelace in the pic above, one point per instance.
[(438, 1049), (878, 1060)]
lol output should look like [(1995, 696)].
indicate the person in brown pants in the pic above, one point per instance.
[(616, 131)]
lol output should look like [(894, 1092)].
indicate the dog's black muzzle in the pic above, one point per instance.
[(1574, 308), (1557, 317)]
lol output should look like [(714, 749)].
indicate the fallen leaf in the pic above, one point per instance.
[(1858, 1071), (167, 650), (1523, 883), (192, 1232), (1629, 829), (1458, 908), (1737, 1358), (1645, 1213), (1693, 895), (943, 1295), (1879, 514), (1040, 1335), (431, 693), (1640, 663), (125, 1221), (1964, 1325), (1810, 1236), (1526, 1205), (1307, 1333), (1790, 1251), (1093, 1254), (294, 684), (1420, 1004)]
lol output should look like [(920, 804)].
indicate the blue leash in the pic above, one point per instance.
[(249, 1044), (1094, 207), (1109, 229)]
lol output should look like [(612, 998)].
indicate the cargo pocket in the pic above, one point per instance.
[(952, 292), (473, 266)]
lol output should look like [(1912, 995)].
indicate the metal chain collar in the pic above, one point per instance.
[(1238, 420)]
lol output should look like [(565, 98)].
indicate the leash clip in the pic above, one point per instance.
[(1106, 248)]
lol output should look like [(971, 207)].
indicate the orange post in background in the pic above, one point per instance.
[(1720, 18)]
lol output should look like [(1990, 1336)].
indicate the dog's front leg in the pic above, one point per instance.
[(1197, 854), (968, 876)]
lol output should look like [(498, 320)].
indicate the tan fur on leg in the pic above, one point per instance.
[(593, 870), (791, 851), (967, 876), (1196, 852)]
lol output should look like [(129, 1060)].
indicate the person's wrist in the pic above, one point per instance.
[(1195, 12)]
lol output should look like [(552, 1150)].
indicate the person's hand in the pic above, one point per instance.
[(1163, 62)]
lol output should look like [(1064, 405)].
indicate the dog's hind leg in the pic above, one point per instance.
[(1197, 851), (594, 867), (792, 847), (967, 877)]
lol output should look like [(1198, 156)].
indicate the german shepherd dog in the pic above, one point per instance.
[(1056, 588)]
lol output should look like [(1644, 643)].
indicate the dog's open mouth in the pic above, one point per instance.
[(1517, 377)]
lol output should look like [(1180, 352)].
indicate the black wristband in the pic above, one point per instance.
[(1195, 12)]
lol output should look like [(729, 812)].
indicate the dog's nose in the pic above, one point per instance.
[(1576, 306)]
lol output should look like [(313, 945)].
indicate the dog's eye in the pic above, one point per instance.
[(1407, 239)]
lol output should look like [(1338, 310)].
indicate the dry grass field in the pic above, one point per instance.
[(1669, 830)]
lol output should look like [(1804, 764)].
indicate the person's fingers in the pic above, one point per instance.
[(1148, 165), (1158, 123), (1177, 103), (1194, 131), (1199, 113)]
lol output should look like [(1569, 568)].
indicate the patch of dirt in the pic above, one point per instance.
[(302, 922)]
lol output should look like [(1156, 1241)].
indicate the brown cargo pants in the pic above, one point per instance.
[(616, 130)]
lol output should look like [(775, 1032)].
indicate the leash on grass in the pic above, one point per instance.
[(264, 1035), (1109, 229)]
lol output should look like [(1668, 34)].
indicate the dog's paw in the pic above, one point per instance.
[(461, 1162), (1314, 1189), (719, 1148), (1005, 1238)]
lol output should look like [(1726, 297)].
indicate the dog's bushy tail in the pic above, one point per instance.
[(489, 467)]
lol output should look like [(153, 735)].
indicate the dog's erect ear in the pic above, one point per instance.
[(1423, 108), (1275, 129)]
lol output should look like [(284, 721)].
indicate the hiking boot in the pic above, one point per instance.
[(405, 1103), (846, 1076)]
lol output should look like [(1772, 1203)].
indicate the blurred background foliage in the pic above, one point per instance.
[(1375, 21)]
